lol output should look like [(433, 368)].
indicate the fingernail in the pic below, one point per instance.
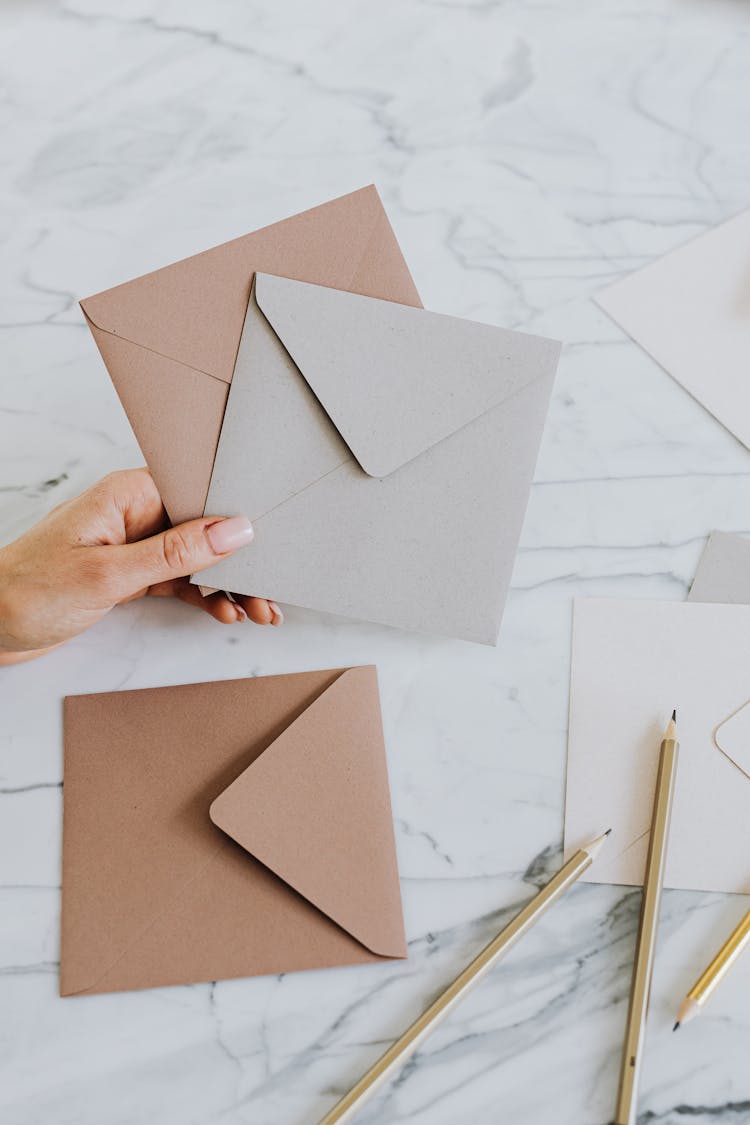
[(277, 617), (241, 615), (228, 535)]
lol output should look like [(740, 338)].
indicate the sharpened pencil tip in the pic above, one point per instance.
[(596, 845), (676, 1026), (674, 715)]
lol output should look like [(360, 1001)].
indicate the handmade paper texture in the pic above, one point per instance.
[(384, 455), (723, 573), (169, 339), (690, 310), (633, 661), (156, 893)]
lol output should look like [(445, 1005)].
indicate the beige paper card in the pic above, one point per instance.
[(690, 310), (633, 661)]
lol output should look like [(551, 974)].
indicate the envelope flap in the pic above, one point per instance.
[(732, 736), (315, 809), (395, 380), (192, 311)]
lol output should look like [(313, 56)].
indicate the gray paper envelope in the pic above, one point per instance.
[(384, 455), (723, 573)]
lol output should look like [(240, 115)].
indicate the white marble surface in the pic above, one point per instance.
[(528, 152)]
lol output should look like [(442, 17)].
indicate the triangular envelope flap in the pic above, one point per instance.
[(192, 310), (732, 737), (396, 380), (148, 386), (315, 809)]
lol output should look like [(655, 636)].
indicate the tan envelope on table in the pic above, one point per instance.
[(226, 829), (384, 454), (169, 339)]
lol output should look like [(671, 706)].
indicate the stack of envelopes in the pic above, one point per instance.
[(383, 453)]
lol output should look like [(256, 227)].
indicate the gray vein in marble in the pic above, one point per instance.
[(408, 830), (517, 80), (11, 790), (221, 1042), (637, 101), (507, 1042), (29, 886), (682, 1112), (29, 970)]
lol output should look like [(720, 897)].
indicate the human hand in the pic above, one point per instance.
[(108, 546)]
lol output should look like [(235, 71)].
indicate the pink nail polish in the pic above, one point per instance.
[(230, 534), (277, 617)]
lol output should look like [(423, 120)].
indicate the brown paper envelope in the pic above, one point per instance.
[(384, 454), (293, 768), (169, 339)]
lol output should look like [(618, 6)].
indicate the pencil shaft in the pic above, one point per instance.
[(722, 962), (649, 921), (412, 1038)]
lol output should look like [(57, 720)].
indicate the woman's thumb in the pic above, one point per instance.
[(180, 551)]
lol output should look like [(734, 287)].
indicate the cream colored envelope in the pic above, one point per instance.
[(633, 661), (384, 455), (690, 310)]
